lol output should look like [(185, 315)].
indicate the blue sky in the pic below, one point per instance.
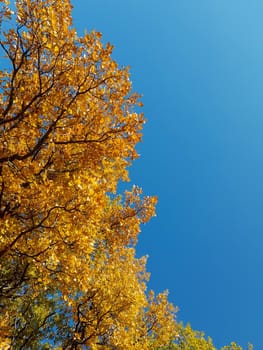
[(198, 64)]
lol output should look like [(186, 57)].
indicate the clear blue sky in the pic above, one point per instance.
[(198, 64)]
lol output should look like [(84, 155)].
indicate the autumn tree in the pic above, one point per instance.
[(68, 125), (189, 339)]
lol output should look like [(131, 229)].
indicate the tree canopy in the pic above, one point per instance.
[(69, 124)]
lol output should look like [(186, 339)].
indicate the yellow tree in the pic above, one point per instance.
[(69, 277), (189, 339)]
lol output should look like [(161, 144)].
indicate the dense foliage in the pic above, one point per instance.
[(69, 276)]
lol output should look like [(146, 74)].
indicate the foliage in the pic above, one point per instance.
[(234, 346), (69, 276), (189, 339)]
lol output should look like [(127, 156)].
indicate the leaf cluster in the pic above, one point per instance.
[(68, 127)]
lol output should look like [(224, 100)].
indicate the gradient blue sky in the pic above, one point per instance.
[(198, 64)]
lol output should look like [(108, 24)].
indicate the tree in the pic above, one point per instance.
[(189, 339), (69, 277)]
